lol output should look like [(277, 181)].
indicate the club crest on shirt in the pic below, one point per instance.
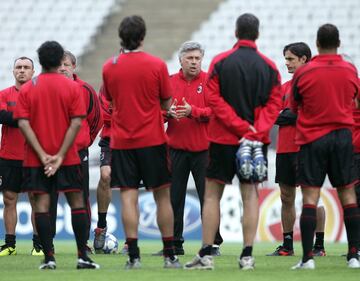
[(199, 89)]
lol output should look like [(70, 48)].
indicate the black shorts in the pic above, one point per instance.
[(286, 168), (149, 164), (331, 154), (11, 175), (66, 179), (357, 186), (84, 158), (222, 167), (105, 153)]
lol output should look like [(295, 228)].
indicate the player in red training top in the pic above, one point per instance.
[(50, 111), (356, 143), (11, 157), (244, 94), (103, 191), (90, 126), (296, 54), (323, 93), (138, 86)]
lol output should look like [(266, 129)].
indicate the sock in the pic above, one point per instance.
[(168, 247), (102, 220), (79, 220), (42, 221), (36, 241), (88, 213), (10, 240), (288, 240), (352, 223), (134, 251), (307, 227), (319, 240), (246, 252), (205, 250)]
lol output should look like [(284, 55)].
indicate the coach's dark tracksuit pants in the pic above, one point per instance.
[(182, 163)]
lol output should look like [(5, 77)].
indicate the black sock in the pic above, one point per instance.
[(288, 240), (102, 220), (168, 247), (307, 227), (319, 240), (36, 241), (79, 220), (10, 240), (42, 221), (352, 225), (246, 252), (205, 250), (134, 251)]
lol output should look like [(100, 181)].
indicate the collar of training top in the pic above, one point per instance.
[(245, 43)]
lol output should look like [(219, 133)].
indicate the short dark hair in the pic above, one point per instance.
[(247, 27), (24, 58), (50, 54), (328, 36), (132, 31), (299, 49)]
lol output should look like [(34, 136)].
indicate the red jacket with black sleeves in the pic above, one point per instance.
[(244, 88)]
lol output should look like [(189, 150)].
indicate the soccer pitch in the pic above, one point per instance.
[(24, 267)]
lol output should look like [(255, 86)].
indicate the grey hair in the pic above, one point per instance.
[(71, 56), (190, 46)]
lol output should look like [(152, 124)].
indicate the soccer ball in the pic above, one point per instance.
[(111, 245)]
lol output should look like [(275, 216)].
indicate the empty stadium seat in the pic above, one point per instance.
[(25, 24)]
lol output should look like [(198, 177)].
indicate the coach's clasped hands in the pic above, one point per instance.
[(179, 111)]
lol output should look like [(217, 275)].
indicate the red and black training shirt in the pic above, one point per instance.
[(49, 101), (12, 140), (244, 88), (135, 83), (323, 91)]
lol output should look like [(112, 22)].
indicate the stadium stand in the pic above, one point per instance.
[(282, 22), (28, 23), (85, 27)]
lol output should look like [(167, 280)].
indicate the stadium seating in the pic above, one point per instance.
[(282, 22), (25, 24)]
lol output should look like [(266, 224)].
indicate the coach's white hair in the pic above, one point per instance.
[(190, 46)]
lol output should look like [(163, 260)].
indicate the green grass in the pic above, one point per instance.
[(24, 267)]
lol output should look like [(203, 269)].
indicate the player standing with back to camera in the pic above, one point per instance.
[(50, 111), (296, 55), (138, 85), (323, 92), (250, 85)]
